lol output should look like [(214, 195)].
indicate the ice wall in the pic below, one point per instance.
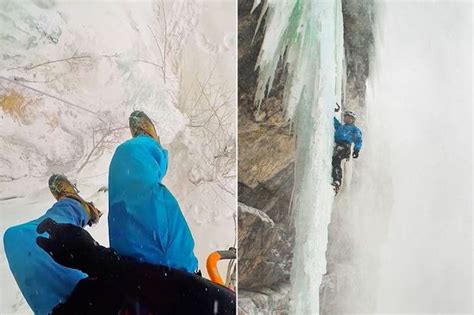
[(306, 35)]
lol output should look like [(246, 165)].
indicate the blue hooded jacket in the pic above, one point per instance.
[(348, 133), (42, 281), (145, 220)]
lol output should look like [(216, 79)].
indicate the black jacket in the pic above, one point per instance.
[(121, 285)]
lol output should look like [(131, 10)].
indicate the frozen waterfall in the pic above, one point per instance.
[(308, 35)]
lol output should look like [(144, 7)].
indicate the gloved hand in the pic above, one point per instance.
[(355, 154), (72, 246), (68, 244)]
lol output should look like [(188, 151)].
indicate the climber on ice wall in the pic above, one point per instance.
[(345, 135)]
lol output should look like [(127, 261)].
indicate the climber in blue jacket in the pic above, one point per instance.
[(145, 221), (345, 134), (43, 282)]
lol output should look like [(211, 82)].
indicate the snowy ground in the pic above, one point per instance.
[(174, 60)]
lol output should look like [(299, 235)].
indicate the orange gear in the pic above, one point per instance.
[(211, 263)]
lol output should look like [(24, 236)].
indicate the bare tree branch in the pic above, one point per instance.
[(99, 146), (149, 62), (31, 67)]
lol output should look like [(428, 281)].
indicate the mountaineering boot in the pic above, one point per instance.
[(61, 187), (140, 123)]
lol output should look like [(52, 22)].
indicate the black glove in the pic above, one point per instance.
[(338, 107), (69, 245), (355, 154)]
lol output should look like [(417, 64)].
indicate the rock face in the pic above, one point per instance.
[(266, 301), (265, 247), (266, 166), (358, 17), (259, 125)]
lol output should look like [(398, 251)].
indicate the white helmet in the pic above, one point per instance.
[(350, 113)]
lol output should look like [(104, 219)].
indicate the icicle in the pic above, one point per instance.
[(309, 35)]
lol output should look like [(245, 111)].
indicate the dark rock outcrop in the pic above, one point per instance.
[(266, 301), (265, 233), (266, 166), (358, 19)]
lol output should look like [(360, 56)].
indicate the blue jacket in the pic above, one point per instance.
[(145, 220), (348, 133), (42, 281)]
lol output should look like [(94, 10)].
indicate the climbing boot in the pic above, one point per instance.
[(61, 188), (140, 123)]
